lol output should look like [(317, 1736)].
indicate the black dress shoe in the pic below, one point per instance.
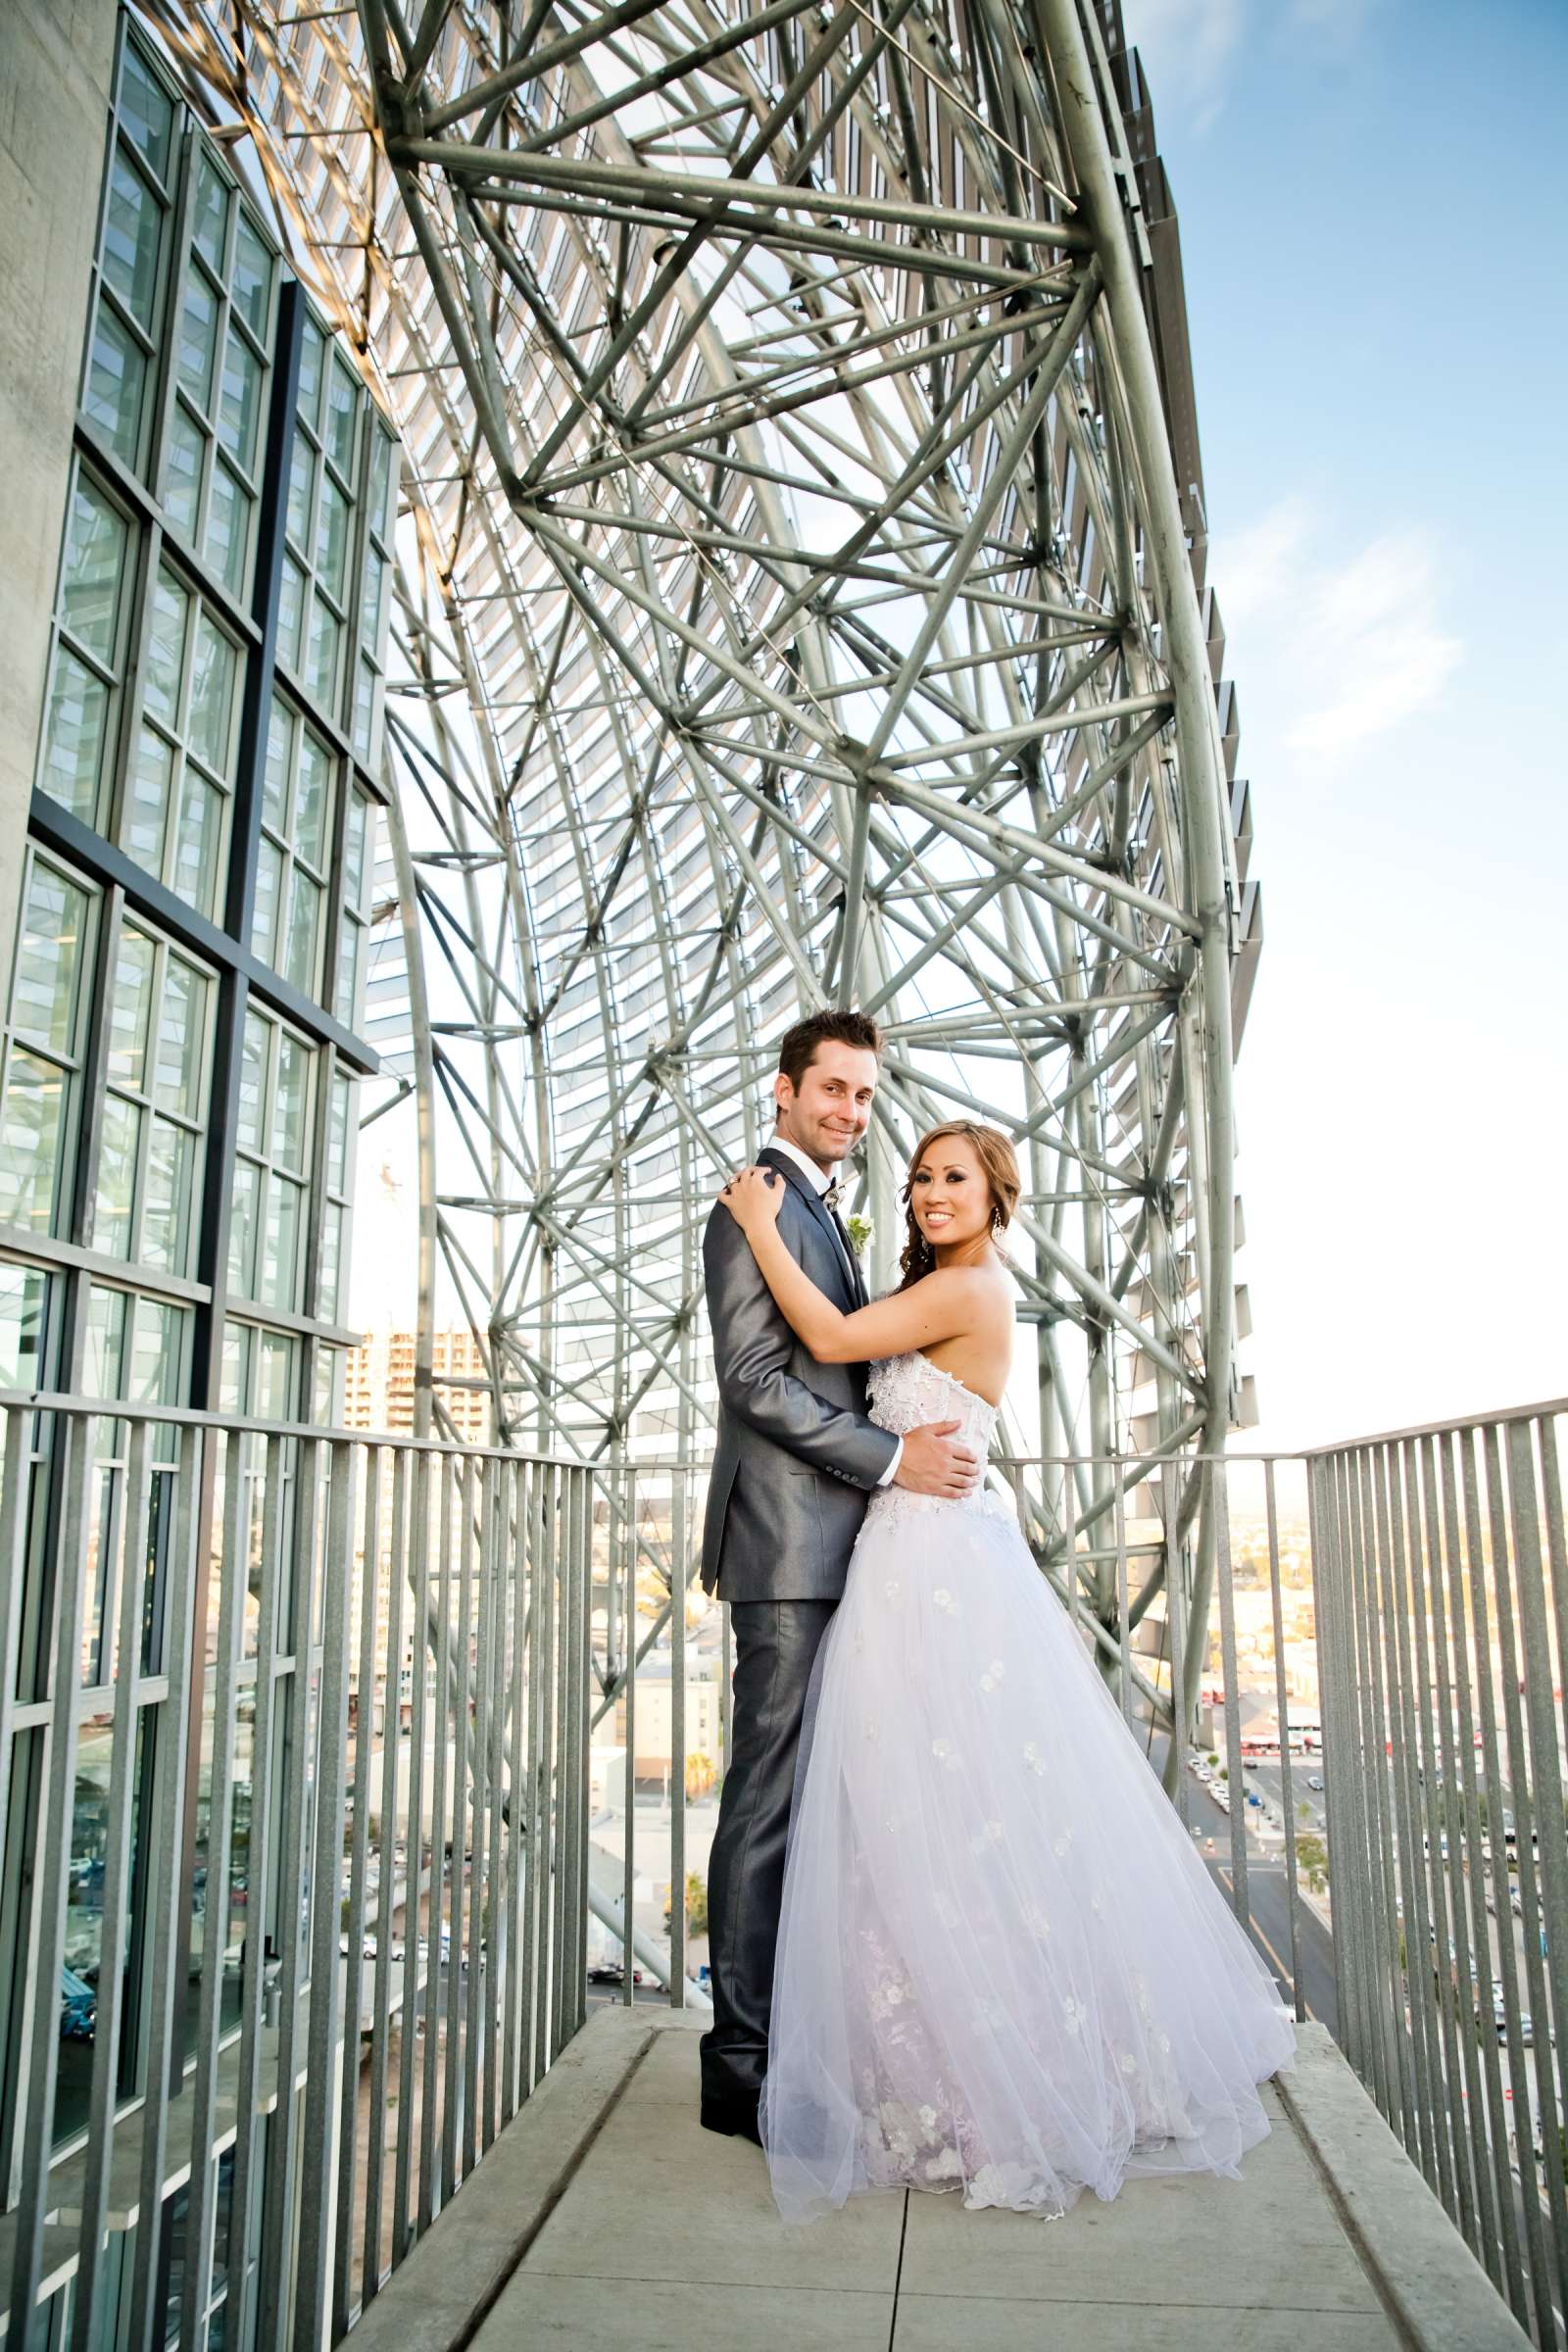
[(733, 2114)]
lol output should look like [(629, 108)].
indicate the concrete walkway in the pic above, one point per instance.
[(606, 2219)]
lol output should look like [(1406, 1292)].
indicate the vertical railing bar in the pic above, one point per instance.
[(102, 2096), (561, 1635), (1333, 1674), (1413, 1765), (1492, 1776), (628, 1876), (1175, 1629), (174, 1732), (258, 1864), (451, 2104), (376, 1458), (278, 2195), (436, 2182), (545, 1803), (1282, 1712), (497, 1955), (585, 1607), (1219, 1505), (1350, 1846), (1402, 1735), (1482, 2074), (516, 1592), (405, 2217), (1442, 1819), (1557, 1553), (325, 2050), (381, 2018), (679, 1743), (478, 1529), (1371, 1748), (538, 1833), (15, 1498), (232, 1585), (1543, 1891), (40, 2015), (1503, 1562), (1396, 1849)]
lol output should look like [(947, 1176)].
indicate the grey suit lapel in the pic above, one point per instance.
[(797, 1177)]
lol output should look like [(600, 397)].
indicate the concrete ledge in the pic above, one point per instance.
[(1437, 2293), (436, 2298)]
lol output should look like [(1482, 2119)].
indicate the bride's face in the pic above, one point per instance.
[(949, 1193)]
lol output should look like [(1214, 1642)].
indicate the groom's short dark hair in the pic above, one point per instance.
[(797, 1048)]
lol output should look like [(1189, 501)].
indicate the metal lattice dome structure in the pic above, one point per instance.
[(801, 602)]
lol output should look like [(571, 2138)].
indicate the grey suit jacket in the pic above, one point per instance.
[(796, 1456)]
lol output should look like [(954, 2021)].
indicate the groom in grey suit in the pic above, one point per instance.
[(795, 1462)]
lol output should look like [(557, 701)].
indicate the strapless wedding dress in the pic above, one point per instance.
[(1002, 1969)]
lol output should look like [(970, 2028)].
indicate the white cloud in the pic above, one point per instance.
[(1344, 646), (1189, 46)]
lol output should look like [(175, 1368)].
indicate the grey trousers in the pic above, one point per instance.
[(776, 1643)]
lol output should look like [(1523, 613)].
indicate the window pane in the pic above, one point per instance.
[(130, 1007), (290, 613), (44, 1005), (144, 111), (79, 720), (198, 854), (332, 539), (348, 972), (279, 754), (183, 470), (94, 562), (355, 847), (133, 223), (229, 528), (301, 490), (304, 915), (291, 1123), (166, 1236), (329, 1263), (211, 696), (321, 666), (157, 1354), (341, 405), (252, 284), (313, 351), (116, 372), (116, 1177), (371, 590), (181, 1036), (365, 682), (29, 1140), (211, 212), (312, 800), (337, 1135), (165, 649), (380, 484), (268, 897), (24, 1298), (198, 340), (252, 1081), (242, 1228), (274, 1378), (277, 1286), (146, 814), (241, 402)]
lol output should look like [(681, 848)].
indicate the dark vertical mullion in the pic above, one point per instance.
[(212, 1266), (184, 181)]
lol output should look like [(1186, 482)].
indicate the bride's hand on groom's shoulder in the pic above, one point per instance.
[(754, 1198)]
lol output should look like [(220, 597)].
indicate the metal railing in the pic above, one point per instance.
[(300, 1733), (293, 1735), (1443, 1631)]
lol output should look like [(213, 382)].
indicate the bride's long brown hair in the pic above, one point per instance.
[(999, 1163)]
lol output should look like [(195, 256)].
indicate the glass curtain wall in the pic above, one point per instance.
[(181, 1053)]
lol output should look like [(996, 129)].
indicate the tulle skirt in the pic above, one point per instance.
[(1002, 1969)]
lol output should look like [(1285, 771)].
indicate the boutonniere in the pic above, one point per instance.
[(859, 1231)]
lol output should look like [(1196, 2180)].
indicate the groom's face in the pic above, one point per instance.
[(828, 1113)]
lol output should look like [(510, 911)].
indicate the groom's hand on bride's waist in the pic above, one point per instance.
[(935, 1463)]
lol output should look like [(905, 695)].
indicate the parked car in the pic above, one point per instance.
[(78, 2007), (1314, 1780)]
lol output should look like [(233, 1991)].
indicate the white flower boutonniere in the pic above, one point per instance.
[(859, 1231)]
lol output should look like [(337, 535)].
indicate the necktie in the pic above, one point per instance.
[(831, 1199)]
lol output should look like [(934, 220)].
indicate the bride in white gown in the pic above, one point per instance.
[(1000, 1966)]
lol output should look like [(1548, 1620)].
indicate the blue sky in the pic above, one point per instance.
[(1369, 201)]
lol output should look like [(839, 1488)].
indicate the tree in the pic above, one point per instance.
[(700, 1775), (695, 1904), (1312, 1859)]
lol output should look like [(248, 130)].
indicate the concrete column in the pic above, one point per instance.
[(56, 65)]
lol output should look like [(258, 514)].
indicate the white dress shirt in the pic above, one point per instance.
[(820, 1182)]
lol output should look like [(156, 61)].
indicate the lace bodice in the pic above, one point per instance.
[(905, 1391)]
